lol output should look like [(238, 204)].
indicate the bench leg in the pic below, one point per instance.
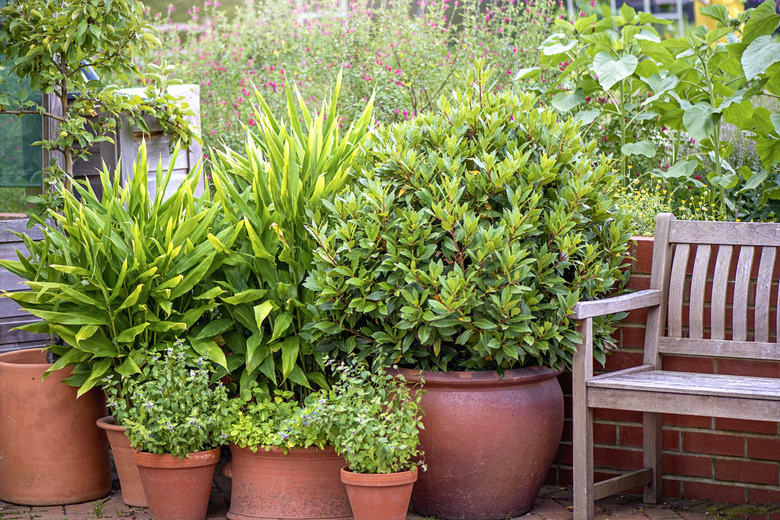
[(583, 460), (652, 451)]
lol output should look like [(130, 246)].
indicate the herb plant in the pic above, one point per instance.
[(175, 408), (258, 420), (376, 419), (472, 234)]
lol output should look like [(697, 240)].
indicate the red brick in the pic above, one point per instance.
[(621, 359), (638, 283), (746, 471), (565, 476), (564, 453), (767, 449), (566, 435), (698, 442), (690, 421), (764, 496), (744, 425), (617, 415), (632, 436), (604, 433), (714, 492), (689, 364), (671, 488), (643, 253), (636, 316), (617, 458), (633, 337), (564, 379), (689, 465), (743, 367)]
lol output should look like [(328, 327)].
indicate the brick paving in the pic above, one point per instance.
[(553, 503)]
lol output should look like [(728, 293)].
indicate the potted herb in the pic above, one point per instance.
[(282, 465), (460, 253), (118, 278), (375, 421), (174, 418)]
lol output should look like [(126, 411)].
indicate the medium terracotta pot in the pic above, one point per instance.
[(379, 496), (126, 468), (177, 489), (488, 441), (303, 484), (51, 451)]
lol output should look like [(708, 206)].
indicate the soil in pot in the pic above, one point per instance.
[(126, 468), (488, 441), (177, 489), (303, 484), (51, 451), (379, 496)]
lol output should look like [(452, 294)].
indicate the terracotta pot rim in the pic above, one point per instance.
[(14, 353), (108, 423), (275, 451), (167, 461), (482, 378), (399, 478)]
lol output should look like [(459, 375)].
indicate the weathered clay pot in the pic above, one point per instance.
[(177, 489), (488, 441), (51, 451), (303, 484), (379, 496), (126, 468)]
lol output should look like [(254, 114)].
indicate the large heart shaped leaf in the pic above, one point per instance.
[(759, 56), (611, 71)]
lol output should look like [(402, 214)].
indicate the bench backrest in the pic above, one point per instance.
[(719, 283)]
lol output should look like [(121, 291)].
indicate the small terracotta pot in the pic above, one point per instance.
[(51, 452), (126, 468), (177, 489), (488, 441), (378, 496), (303, 484)]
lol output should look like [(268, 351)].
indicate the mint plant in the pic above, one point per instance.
[(376, 419), (174, 409)]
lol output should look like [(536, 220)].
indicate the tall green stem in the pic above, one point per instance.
[(622, 113)]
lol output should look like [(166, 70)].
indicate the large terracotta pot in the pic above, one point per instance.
[(303, 484), (51, 451), (124, 460), (379, 496), (488, 441), (177, 489)]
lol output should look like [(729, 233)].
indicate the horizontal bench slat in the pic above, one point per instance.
[(744, 387), (730, 233), (721, 348)]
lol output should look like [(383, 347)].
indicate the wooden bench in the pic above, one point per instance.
[(688, 258)]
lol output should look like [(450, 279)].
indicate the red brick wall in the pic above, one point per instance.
[(720, 460)]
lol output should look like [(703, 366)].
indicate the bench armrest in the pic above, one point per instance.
[(626, 302)]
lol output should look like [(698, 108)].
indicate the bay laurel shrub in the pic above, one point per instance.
[(471, 234)]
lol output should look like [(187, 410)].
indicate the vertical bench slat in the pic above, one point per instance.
[(719, 292), (698, 283), (763, 287), (741, 289), (676, 290)]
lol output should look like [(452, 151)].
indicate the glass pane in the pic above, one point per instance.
[(20, 162)]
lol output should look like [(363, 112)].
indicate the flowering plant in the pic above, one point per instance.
[(277, 421), (375, 419), (173, 409)]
